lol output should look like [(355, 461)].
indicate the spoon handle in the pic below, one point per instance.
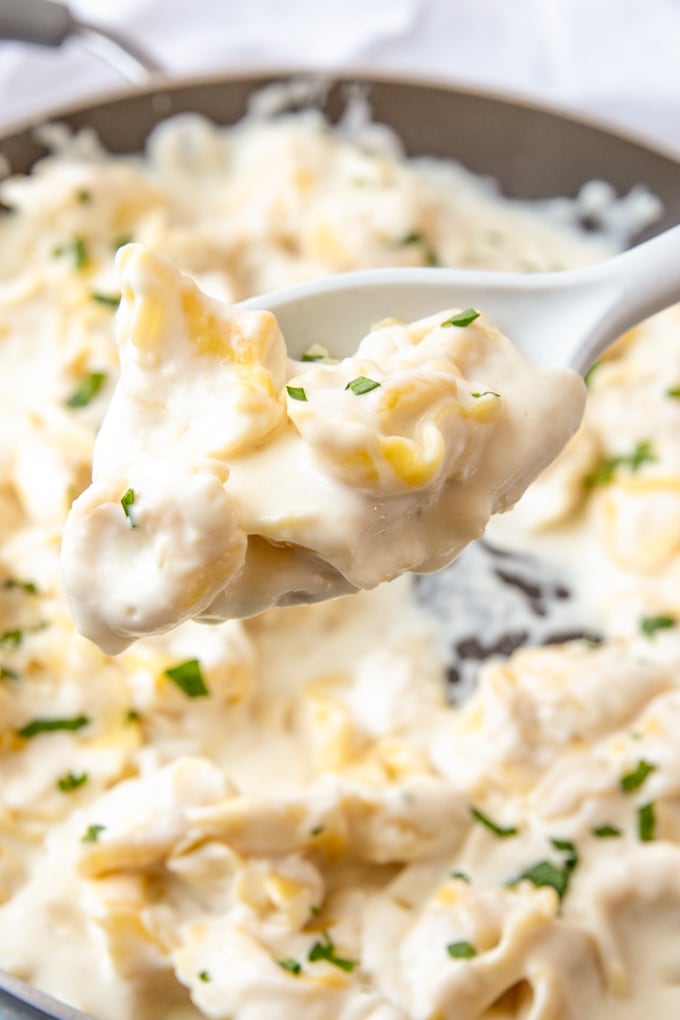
[(647, 280)]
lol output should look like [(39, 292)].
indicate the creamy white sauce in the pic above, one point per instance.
[(324, 783), (253, 485)]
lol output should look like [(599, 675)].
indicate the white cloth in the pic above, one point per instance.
[(615, 60)]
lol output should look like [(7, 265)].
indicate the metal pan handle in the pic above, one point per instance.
[(46, 23)]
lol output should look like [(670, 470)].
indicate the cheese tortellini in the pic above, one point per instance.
[(226, 482)]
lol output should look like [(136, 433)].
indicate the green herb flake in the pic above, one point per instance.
[(86, 390), (566, 846), (296, 392), (8, 674), (37, 726), (545, 873), (632, 781), (120, 242), (127, 502), (464, 318), (604, 473), (71, 781), (76, 250), (292, 966), (11, 638), (486, 393), (460, 876), (204, 976), (315, 353), (588, 377), (91, 834), (606, 832), (325, 950), (413, 237), (189, 678), (83, 196), (461, 950), (646, 822), (674, 392), (132, 716), (503, 832), (30, 587), (109, 300), (650, 624), (317, 830), (362, 384)]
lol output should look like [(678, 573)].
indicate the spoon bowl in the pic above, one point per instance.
[(560, 318)]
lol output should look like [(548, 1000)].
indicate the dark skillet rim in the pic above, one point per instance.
[(161, 84)]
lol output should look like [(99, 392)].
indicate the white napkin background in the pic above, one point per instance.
[(615, 60)]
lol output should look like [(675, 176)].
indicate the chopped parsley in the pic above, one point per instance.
[(464, 318), (76, 250), (120, 242), (11, 638), (71, 781), (646, 822), (606, 832), (414, 237), (325, 950), (362, 384), (30, 587), (461, 950), (632, 781), (92, 833), (566, 846), (604, 473), (503, 832), (110, 300), (486, 393), (36, 726), (292, 966), (545, 873), (127, 502), (296, 392), (317, 830), (8, 674), (84, 196), (86, 390), (650, 624), (460, 876), (132, 716), (204, 976), (673, 391), (189, 678), (315, 353)]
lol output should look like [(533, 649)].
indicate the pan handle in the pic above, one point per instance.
[(47, 23)]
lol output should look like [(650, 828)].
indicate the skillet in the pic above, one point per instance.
[(532, 152)]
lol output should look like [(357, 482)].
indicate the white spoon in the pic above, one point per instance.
[(562, 318)]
